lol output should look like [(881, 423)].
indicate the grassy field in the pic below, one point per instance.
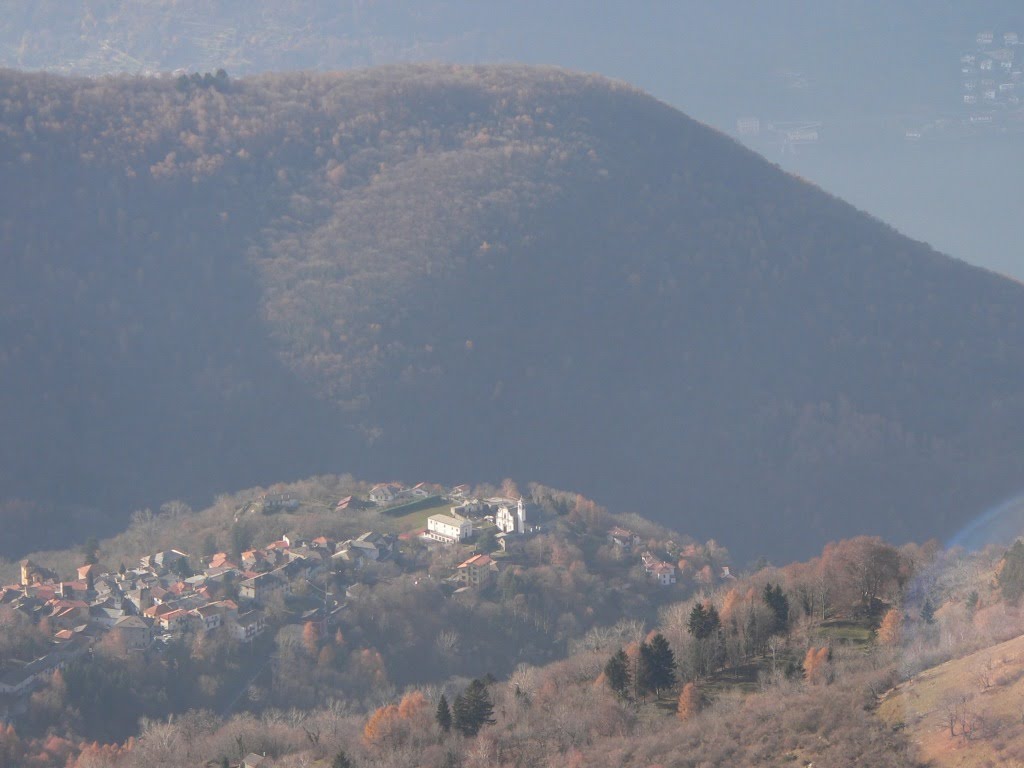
[(418, 517), (985, 690), (846, 630)]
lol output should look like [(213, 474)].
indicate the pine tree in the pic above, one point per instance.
[(698, 621), (341, 761), (660, 663), (1011, 573), (644, 671), (616, 672), (928, 612), (473, 709), (89, 549), (703, 622), (444, 714), (714, 622), (779, 603), (972, 601), (460, 714)]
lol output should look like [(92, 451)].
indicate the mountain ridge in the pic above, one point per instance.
[(482, 271)]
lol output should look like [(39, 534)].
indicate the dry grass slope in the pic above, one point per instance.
[(979, 699)]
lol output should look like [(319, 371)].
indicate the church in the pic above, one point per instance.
[(509, 521)]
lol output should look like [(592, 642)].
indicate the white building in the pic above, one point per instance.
[(211, 615), (509, 521), (385, 493), (448, 529), (248, 626), (658, 570), (663, 573)]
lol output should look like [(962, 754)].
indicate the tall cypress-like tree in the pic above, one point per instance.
[(703, 622), (928, 611), (698, 620), (1011, 575), (616, 673), (660, 663), (779, 603), (714, 622), (444, 714), (473, 709)]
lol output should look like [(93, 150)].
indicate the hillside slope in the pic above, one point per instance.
[(965, 712), (448, 272)]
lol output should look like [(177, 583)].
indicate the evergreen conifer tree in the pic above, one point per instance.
[(616, 672), (473, 709), (697, 621), (779, 603), (703, 622), (1011, 575), (444, 714), (928, 611), (660, 663)]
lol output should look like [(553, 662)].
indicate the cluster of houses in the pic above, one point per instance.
[(991, 74), (656, 569), (386, 494), (162, 597)]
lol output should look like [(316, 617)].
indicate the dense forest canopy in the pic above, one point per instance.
[(452, 271)]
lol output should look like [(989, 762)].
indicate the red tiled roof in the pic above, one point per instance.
[(218, 559), (62, 603), (477, 560)]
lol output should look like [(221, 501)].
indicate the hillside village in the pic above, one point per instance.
[(170, 594), (322, 628)]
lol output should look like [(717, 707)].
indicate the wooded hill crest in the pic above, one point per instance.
[(466, 271)]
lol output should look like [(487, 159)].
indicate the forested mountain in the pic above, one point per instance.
[(864, 73), (477, 271)]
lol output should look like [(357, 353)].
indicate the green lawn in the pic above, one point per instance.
[(857, 632), (418, 518), (743, 677)]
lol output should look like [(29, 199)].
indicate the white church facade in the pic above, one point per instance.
[(511, 520)]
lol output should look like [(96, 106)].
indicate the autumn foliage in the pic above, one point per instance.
[(891, 629), (816, 662), (689, 702)]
